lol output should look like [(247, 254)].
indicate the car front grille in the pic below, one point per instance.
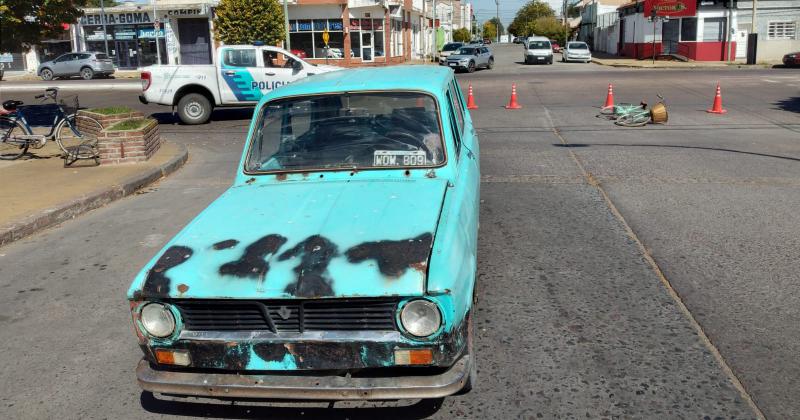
[(289, 315)]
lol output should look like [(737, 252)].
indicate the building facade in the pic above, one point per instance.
[(777, 24)]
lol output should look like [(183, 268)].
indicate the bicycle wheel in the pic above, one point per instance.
[(633, 119), (77, 137), (10, 147)]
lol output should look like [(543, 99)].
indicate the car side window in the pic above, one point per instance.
[(454, 124), (274, 59), (63, 58), (239, 57), (84, 56), (457, 106)]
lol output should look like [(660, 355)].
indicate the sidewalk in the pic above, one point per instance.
[(617, 61), (31, 75), (38, 192)]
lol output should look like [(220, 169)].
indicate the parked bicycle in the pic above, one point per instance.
[(76, 135)]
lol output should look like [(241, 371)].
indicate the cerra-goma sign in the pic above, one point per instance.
[(117, 18), (671, 8)]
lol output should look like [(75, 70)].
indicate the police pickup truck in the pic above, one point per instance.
[(241, 75)]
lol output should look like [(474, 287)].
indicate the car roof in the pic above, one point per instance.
[(427, 78)]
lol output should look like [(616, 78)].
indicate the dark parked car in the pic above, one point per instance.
[(792, 59), (87, 65)]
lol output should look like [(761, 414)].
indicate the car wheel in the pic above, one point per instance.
[(490, 64), (471, 67), (87, 73), (550, 61), (194, 108), (46, 74)]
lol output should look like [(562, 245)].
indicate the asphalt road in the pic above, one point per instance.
[(623, 272)]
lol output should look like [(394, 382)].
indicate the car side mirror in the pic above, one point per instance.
[(297, 66)]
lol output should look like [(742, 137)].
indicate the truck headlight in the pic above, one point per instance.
[(157, 320), (420, 318)]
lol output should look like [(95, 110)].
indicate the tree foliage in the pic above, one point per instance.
[(489, 30), (96, 3), (497, 24), (527, 14), (246, 21), (26, 22), (461, 35), (550, 27)]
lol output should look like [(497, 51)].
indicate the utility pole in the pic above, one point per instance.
[(434, 47), (566, 27), (156, 29), (497, 3), (286, 23), (103, 18), (754, 28)]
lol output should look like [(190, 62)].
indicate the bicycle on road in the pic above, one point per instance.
[(76, 135)]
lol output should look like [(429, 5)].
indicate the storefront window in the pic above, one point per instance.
[(397, 37), (306, 38), (714, 29), (689, 29), (366, 38), (130, 46)]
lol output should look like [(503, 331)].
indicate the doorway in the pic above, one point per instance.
[(127, 54), (366, 46), (670, 35), (741, 43), (193, 36)]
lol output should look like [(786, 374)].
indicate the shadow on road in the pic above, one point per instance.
[(219, 409), (716, 149), (223, 114), (790, 104)]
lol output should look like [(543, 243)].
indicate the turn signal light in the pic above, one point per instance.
[(413, 357), (172, 357)]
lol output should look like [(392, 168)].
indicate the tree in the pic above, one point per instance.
[(527, 14), (489, 30), (96, 3), (246, 21), (26, 22), (548, 26), (461, 35), (497, 24)]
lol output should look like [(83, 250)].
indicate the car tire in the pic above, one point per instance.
[(550, 61), (87, 73), (194, 108), (471, 67), (46, 74), (490, 64)]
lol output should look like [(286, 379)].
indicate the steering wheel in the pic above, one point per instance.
[(416, 141)]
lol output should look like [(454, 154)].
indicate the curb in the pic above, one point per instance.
[(96, 199)]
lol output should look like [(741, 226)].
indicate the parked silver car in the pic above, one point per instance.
[(84, 64), (471, 57), (576, 51)]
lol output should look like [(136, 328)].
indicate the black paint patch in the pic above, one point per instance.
[(270, 352), (252, 263), (157, 284), (394, 257), (316, 253), (216, 354), (228, 243)]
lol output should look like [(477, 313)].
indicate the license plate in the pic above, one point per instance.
[(540, 58), (452, 64), (399, 158)]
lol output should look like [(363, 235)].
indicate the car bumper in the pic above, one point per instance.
[(143, 100), (303, 387), (457, 66), (535, 58)]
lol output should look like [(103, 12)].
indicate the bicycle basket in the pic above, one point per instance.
[(659, 113), (69, 104)]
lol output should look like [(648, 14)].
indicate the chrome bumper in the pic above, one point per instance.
[(303, 387)]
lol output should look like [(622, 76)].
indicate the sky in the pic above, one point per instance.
[(486, 9)]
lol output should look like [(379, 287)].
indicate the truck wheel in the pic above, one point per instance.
[(194, 108)]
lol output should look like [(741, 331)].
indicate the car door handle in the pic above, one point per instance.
[(269, 74), (230, 72)]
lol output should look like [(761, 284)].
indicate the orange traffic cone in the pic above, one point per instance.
[(609, 98), (717, 107), (471, 99), (513, 104)]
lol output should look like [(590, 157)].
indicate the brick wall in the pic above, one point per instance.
[(129, 145), (109, 120)]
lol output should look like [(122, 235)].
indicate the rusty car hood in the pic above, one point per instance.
[(302, 239)]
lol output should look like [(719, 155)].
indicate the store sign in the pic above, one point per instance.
[(671, 8), (98, 36), (150, 33), (185, 12), (117, 18)]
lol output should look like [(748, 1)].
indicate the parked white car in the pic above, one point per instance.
[(576, 51), (241, 75)]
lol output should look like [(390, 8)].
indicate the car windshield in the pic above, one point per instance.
[(466, 51), (577, 46), (451, 47), (538, 45), (347, 130)]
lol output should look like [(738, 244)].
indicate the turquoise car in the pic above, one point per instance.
[(340, 264)]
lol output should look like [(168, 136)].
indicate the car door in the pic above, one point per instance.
[(79, 61), (61, 64), (239, 75), (279, 69), (485, 54)]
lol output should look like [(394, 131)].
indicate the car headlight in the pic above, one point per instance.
[(157, 320), (420, 318)]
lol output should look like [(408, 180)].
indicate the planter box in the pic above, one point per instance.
[(109, 120), (124, 146)]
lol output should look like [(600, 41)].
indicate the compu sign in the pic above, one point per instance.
[(671, 8)]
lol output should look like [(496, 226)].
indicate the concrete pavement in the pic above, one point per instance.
[(629, 273)]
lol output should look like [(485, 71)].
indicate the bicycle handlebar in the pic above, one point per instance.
[(39, 96)]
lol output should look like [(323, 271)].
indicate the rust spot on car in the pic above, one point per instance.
[(280, 177), (315, 254), (228, 243), (216, 354), (252, 263), (182, 288), (394, 257), (157, 284), (422, 267)]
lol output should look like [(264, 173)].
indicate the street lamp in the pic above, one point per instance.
[(655, 18)]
